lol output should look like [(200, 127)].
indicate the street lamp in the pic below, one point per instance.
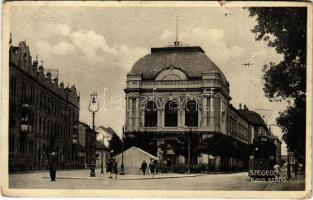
[(93, 108)]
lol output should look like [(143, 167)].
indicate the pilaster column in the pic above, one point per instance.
[(159, 122), (183, 115), (137, 111), (127, 110), (179, 118), (212, 111), (205, 111), (142, 118), (162, 118), (200, 116), (130, 111)]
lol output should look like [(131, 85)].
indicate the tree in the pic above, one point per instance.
[(285, 30), (115, 144)]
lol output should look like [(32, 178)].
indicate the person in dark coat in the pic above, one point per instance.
[(143, 167), (109, 168), (152, 167), (53, 162), (295, 169), (114, 168)]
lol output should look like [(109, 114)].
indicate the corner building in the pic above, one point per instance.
[(177, 99), (43, 115)]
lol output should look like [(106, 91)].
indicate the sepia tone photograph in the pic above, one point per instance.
[(153, 97)]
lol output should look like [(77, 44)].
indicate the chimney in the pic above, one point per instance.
[(245, 107), (48, 75), (35, 64), (62, 85), (240, 106), (56, 80), (41, 69)]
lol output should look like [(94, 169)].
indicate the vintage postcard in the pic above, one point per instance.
[(156, 99)]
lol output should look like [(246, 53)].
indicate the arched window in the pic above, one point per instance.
[(191, 114), (171, 109), (151, 114)]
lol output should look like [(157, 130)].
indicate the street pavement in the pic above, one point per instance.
[(80, 179)]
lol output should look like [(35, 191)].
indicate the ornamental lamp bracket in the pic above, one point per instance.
[(94, 105)]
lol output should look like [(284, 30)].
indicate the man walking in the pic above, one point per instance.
[(143, 167), (109, 168), (114, 167), (295, 169), (53, 161), (152, 167)]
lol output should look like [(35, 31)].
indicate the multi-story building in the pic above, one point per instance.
[(83, 132), (258, 126), (177, 95), (43, 114)]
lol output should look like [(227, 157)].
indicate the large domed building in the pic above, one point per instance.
[(178, 108)]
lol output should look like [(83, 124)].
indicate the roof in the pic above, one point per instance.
[(252, 117), (192, 60), (138, 149)]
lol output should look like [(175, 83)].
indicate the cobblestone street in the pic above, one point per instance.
[(79, 179)]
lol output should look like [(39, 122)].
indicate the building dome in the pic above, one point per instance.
[(252, 117), (191, 60)]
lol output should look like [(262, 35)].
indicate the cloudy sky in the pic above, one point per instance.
[(94, 48)]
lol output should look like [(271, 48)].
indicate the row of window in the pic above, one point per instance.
[(47, 126), (236, 129), (171, 114), (25, 145), (43, 101)]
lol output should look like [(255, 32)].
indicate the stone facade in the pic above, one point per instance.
[(43, 114), (181, 78)]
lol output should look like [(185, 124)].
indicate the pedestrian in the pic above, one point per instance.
[(156, 166), (295, 169), (277, 170), (53, 161), (114, 168), (152, 167), (143, 167), (109, 168)]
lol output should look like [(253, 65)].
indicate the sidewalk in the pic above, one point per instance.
[(85, 174), (44, 171)]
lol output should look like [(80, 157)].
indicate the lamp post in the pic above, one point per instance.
[(122, 165), (93, 108)]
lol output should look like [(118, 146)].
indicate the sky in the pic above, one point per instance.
[(95, 47)]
